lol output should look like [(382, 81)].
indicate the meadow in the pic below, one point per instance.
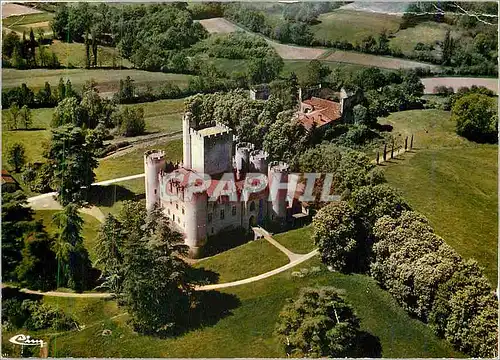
[(353, 26), (452, 181), (242, 320)]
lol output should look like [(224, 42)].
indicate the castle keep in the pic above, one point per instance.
[(196, 195)]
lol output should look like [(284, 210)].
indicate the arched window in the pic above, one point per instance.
[(252, 206)]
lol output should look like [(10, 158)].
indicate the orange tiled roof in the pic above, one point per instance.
[(324, 112)]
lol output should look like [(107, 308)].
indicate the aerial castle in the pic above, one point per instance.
[(196, 196)]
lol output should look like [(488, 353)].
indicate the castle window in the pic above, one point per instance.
[(179, 220), (177, 206), (155, 191), (252, 206), (209, 218), (182, 211), (233, 211), (222, 214), (168, 211), (173, 217), (212, 230)]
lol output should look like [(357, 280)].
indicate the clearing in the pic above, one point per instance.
[(437, 181), (353, 26)]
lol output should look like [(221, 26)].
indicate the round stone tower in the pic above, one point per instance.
[(154, 163), (278, 178), (196, 223)]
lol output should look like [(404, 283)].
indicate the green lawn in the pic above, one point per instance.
[(253, 258), (107, 81), (453, 182), (298, 241), (89, 232), (132, 163), (247, 329), (353, 26)]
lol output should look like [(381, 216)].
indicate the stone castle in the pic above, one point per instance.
[(199, 209)]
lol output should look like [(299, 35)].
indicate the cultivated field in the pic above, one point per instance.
[(457, 82), (11, 9), (353, 26), (290, 52), (374, 60), (219, 26), (391, 8), (438, 181)]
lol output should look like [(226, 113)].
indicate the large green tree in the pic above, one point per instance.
[(155, 288), (476, 117), (336, 233), (72, 157), (16, 156), (319, 323), (74, 263), (17, 222)]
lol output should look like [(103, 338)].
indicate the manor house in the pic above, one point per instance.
[(200, 208)]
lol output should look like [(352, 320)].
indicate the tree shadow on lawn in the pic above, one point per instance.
[(110, 194), (211, 307), (367, 346), (202, 276)]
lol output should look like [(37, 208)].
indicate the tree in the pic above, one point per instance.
[(17, 221), (316, 72), (319, 323), (38, 268), (72, 158), (448, 48), (264, 70), (11, 41), (465, 311), (69, 111), (131, 121), (155, 288), (355, 170), (25, 117), (13, 116), (16, 156), (371, 202), (335, 232), (109, 251), (69, 249), (475, 116), (61, 90)]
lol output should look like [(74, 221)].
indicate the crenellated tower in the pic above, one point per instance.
[(278, 187), (154, 164)]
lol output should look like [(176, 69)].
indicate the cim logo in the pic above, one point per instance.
[(25, 340)]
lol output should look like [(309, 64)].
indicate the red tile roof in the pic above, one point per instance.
[(324, 112)]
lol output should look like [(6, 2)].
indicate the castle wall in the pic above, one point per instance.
[(154, 162), (211, 154)]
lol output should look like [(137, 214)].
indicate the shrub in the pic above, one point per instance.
[(318, 324), (476, 118)]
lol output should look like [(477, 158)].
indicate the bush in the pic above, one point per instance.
[(130, 121), (476, 118), (318, 324)]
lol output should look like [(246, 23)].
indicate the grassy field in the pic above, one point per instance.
[(298, 241), (242, 321), (27, 19), (163, 115), (251, 259), (353, 26), (452, 181), (73, 55), (160, 116), (107, 81), (427, 32), (89, 232)]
